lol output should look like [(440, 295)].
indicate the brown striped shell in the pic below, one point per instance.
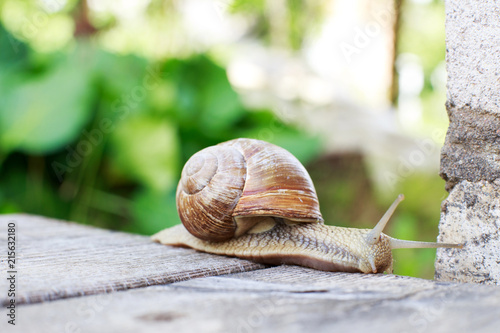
[(226, 189)]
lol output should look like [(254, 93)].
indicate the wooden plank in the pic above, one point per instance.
[(57, 259), (278, 299)]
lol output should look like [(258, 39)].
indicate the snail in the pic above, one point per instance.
[(254, 200)]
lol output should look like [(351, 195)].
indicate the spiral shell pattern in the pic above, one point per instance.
[(243, 178)]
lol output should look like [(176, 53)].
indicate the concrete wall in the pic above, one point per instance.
[(470, 158)]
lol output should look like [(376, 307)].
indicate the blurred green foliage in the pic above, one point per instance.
[(94, 135), (422, 34)]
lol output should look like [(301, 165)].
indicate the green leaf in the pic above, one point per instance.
[(220, 103), (153, 211), (123, 76), (147, 149), (206, 101), (13, 52), (45, 113), (301, 145)]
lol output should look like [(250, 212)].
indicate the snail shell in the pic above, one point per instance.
[(227, 189)]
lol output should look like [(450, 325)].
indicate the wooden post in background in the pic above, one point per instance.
[(470, 158)]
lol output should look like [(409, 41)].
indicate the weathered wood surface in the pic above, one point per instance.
[(282, 299), (68, 260), (58, 259)]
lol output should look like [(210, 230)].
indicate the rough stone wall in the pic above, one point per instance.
[(470, 158)]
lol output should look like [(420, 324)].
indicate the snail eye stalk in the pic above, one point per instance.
[(374, 235)]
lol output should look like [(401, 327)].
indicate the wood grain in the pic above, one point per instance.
[(278, 299), (57, 259)]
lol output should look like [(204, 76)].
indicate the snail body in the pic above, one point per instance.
[(318, 246), (253, 200)]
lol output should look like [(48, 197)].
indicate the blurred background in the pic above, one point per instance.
[(103, 101)]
